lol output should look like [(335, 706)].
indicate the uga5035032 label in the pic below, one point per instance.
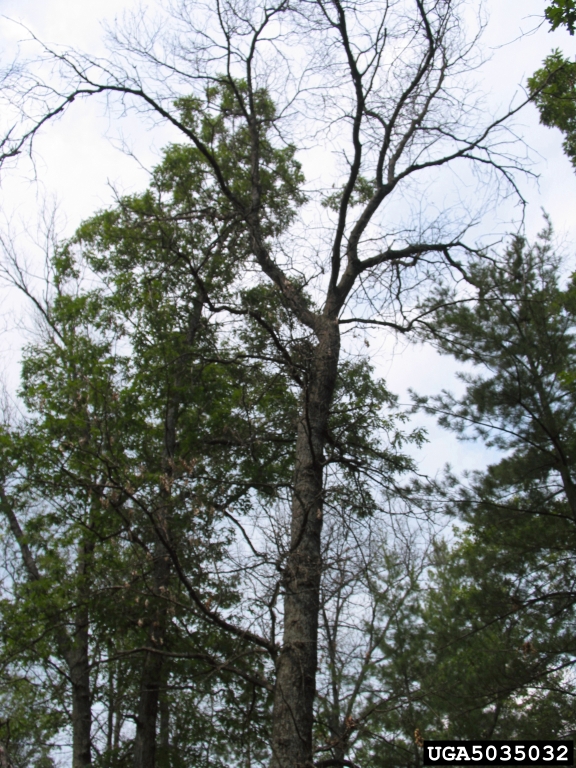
[(482, 753)]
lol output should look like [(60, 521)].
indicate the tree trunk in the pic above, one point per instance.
[(118, 723), (164, 751), (152, 671), (4, 759), (74, 650), (81, 706), (145, 742), (78, 662), (296, 666), (111, 709)]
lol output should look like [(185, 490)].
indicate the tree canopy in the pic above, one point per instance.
[(217, 550)]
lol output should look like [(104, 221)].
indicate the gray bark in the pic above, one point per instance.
[(297, 661), (163, 752), (4, 759), (78, 664), (77, 659)]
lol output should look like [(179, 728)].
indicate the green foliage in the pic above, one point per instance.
[(474, 635), (500, 613), (362, 193), (553, 88), (162, 396), (29, 721), (562, 13), (366, 439), (139, 415), (220, 121)]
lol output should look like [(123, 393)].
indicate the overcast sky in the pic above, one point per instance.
[(79, 159)]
